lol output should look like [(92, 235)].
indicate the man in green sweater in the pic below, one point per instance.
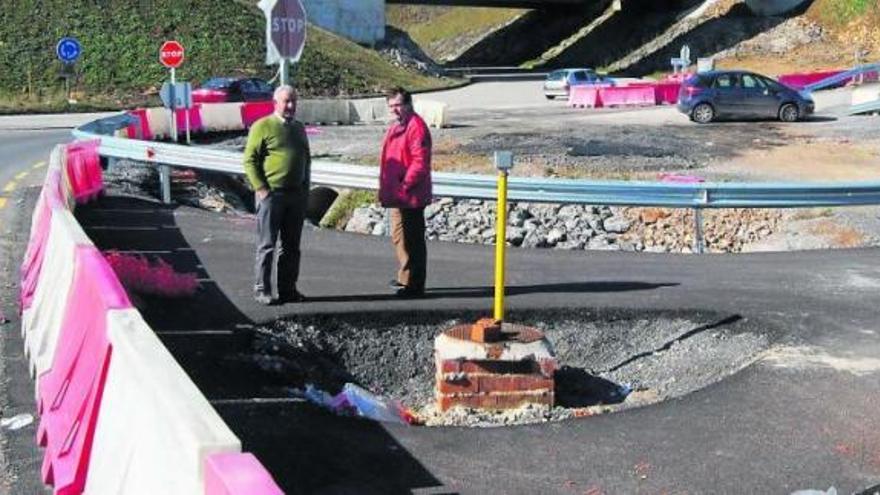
[(277, 162)]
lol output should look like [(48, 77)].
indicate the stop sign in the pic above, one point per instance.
[(287, 24), (171, 54)]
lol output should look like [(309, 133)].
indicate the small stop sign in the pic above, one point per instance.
[(171, 54), (287, 24)]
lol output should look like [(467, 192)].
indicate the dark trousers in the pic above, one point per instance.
[(279, 221), (408, 237)]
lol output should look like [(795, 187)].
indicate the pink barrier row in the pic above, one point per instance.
[(195, 119), (801, 79), (627, 95), (253, 111), (84, 170), (69, 394), (140, 129), (584, 97), (50, 199), (666, 93), (238, 474)]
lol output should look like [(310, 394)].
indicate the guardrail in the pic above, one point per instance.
[(698, 196), (842, 77)]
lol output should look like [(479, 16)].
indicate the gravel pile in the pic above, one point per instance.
[(581, 227), (611, 360)]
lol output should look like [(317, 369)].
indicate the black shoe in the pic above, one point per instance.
[(264, 299), (394, 284), (409, 293), (293, 297)]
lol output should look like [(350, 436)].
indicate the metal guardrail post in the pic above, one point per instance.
[(165, 183), (699, 246)]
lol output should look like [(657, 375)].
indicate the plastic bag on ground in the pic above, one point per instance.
[(17, 422), (830, 491), (371, 406)]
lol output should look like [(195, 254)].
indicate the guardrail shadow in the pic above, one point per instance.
[(305, 450)]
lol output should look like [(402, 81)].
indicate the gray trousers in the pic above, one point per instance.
[(279, 222)]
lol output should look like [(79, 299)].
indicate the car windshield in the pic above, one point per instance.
[(556, 75), (217, 83)]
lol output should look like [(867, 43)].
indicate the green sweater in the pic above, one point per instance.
[(277, 155)]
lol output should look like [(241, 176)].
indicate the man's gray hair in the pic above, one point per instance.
[(284, 88)]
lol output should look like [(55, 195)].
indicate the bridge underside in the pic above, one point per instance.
[(511, 4)]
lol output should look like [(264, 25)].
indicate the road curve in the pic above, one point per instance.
[(804, 417)]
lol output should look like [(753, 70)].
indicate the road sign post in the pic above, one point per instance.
[(68, 50), (503, 162), (285, 33), (171, 55)]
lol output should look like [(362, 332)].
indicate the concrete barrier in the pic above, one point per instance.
[(69, 393), (369, 110), (155, 430), (324, 112), (866, 93), (238, 474), (42, 322)]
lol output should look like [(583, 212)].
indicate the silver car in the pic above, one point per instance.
[(560, 81)]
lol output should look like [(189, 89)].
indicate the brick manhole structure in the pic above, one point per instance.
[(493, 365)]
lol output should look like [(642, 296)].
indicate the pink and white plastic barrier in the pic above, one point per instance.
[(584, 97), (118, 414), (627, 96)]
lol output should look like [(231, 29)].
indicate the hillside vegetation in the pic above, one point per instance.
[(444, 32), (120, 67)]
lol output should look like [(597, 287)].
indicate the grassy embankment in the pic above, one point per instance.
[(119, 67), (442, 31)]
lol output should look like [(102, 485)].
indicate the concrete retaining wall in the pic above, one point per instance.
[(362, 21)]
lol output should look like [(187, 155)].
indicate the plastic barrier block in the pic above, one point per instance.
[(623, 96), (433, 112), (159, 120), (195, 120), (254, 110), (800, 79), (84, 169), (584, 97), (666, 93), (140, 130), (221, 117), (238, 474), (33, 257), (69, 394), (41, 323), (156, 429)]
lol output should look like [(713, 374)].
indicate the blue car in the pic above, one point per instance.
[(709, 95)]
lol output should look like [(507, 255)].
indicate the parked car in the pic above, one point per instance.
[(221, 89), (709, 95), (559, 81)]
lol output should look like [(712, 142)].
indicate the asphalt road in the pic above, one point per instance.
[(803, 416)]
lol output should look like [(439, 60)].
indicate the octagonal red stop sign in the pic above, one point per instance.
[(288, 27), (171, 54)]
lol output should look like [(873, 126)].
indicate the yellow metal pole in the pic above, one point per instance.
[(500, 244)]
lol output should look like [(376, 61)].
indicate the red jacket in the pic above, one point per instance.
[(405, 165)]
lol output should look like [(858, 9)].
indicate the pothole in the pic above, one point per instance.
[(608, 360)]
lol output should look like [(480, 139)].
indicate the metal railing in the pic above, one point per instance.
[(842, 77), (698, 196)]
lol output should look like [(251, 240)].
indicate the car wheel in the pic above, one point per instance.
[(789, 113), (703, 113)]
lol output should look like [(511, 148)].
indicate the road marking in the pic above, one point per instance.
[(22, 175), (9, 187), (2, 202), (38, 165)]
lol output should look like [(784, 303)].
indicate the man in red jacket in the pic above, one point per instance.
[(405, 188)]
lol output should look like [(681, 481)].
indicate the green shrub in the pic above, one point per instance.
[(344, 206)]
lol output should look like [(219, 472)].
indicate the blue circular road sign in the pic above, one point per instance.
[(68, 49)]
